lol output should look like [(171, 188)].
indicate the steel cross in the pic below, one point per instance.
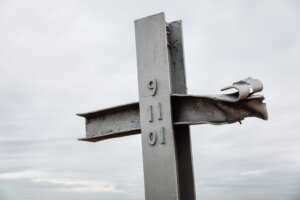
[(164, 111)]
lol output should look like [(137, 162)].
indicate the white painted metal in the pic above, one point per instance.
[(160, 161), (163, 117)]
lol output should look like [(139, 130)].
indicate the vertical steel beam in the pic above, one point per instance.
[(182, 134), (168, 171)]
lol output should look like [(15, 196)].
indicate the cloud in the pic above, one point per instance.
[(63, 183), (253, 173)]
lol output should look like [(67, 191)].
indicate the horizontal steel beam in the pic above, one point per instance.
[(124, 120)]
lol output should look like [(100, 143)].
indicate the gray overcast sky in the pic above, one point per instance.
[(58, 58)]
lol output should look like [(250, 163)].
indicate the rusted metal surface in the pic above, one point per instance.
[(124, 120)]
